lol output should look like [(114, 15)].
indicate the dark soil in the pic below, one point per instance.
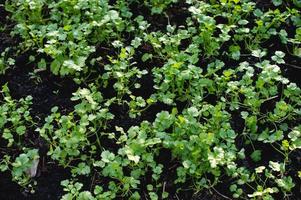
[(48, 186)]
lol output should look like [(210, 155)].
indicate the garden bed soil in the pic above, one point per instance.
[(49, 90)]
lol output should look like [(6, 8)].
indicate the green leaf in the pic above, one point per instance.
[(55, 67), (150, 187), (278, 57), (256, 155), (297, 51), (85, 195), (286, 183), (72, 65), (263, 136), (275, 166), (259, 169), (257, 12), (21, 130), (7, 134), (42, 64), (258, 53), (83, 169), (277, 136), (107, 156), (146, 56), (134, 158), (277, 2)]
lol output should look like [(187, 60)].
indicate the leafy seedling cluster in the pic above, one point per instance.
[(172, 96)]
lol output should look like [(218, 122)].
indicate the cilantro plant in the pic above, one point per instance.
[(68, 135), (161, 108), (68, 33), (16, 123), (15, 118), (124, 72)]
